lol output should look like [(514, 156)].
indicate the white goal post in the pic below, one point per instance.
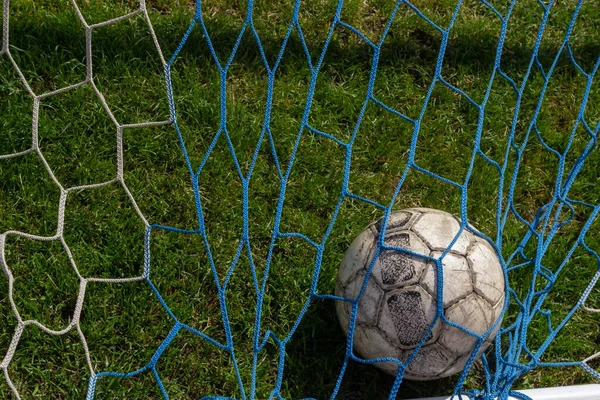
[(576, 392)]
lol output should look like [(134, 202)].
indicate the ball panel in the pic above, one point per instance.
[(406, 315), (397, 220), (425, 210), (371, 343), (472, 313), (394, 269), (357, 256), (342, 308), (497, 314), (458, 365), (488, 276), (370, 300), (498, 309), (457, 278), (438, 229), (429, 362)]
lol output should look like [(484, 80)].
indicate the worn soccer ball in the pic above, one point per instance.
[(399, 302)]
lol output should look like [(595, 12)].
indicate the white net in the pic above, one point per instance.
[(74, 325)]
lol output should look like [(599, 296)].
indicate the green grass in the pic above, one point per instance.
[(124, 323)]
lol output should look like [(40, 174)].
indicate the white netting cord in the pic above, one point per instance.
[(119, 178), (5, 12)]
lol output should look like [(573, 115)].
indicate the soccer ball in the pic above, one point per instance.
[(399, 302)]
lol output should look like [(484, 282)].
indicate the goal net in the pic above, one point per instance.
[(281, 131)]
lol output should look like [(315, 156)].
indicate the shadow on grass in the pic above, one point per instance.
[(405, 46), (315, 356)]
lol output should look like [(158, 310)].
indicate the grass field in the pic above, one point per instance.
[(124, 323)]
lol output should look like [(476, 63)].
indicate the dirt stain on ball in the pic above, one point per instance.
[(397, 267), (406, 310)]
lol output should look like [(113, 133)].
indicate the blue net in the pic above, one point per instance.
[(533, 267)]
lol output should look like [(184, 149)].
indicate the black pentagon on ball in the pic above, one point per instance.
[(395, 268), (408, 317)]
